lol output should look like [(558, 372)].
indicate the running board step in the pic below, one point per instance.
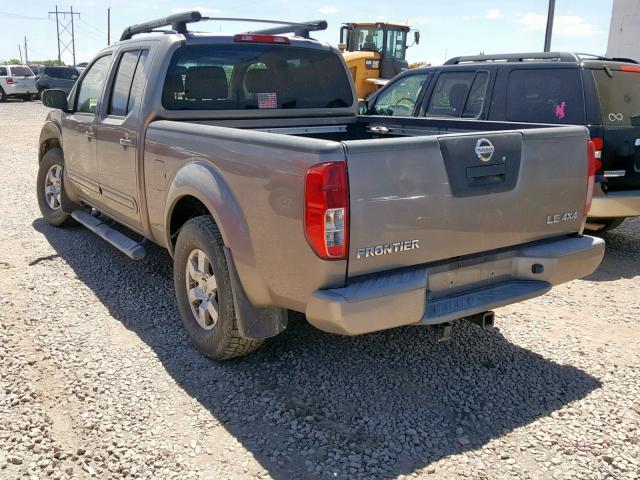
[(447, 309), (126, 245)]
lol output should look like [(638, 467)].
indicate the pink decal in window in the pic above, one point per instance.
[(560, 110)]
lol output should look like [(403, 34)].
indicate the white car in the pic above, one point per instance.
[(17, 81)]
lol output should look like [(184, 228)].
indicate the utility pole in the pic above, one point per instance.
[(26, 54), (109, 26), (548, 33), (66, 33), (20, 52)]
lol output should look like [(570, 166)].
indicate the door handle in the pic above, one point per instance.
[(126, 142)]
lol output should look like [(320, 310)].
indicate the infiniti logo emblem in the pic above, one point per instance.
[(484, 149)]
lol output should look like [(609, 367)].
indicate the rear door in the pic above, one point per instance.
[(415, 200), (619, 98), (117, 135)]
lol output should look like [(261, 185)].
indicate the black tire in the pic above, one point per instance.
[(608, 223), (55, 217), (223, 341), (3, 96)]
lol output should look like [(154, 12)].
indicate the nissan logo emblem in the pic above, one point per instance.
[(484, 149)]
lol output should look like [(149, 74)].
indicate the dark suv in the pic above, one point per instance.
[(548, 88), (62, 78)]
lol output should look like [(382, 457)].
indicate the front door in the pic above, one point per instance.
[(79, 132), (118, 142)]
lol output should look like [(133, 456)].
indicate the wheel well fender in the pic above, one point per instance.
[(50, 137), (198, 188)]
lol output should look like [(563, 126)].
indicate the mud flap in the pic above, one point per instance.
[(253, 323)]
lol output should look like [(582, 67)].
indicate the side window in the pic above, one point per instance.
[(450, 94), (91, 87), (477, 94), (550, 95), (401, 96), (3, 72), (127, 87)]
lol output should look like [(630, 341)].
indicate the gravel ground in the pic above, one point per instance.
[(97, 378)]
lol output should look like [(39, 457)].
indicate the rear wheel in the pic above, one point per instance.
[(204, 294), (49, 188), (3, 95)]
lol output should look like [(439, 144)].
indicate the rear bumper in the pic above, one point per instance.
[(616, 204), (20, 89), (443, 292)]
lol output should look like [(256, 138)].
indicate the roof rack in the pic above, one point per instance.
[(179, 21), (524, 57), (515, 57)]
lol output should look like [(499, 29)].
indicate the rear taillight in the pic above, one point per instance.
[(598, 145), (591, 153), (258, 38), (630, 68), (9, 80), (326, 210)]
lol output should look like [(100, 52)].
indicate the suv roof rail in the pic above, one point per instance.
[(178, 22), (523, 57), (515, 57)]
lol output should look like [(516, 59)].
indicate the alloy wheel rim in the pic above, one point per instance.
[(53, 187), (202, 289)]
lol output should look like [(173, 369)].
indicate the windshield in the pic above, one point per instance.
[(242, 77), (21, 72), (619, 96), (369, 39), (61, 72)]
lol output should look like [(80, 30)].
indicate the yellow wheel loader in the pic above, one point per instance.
[(375, 53)]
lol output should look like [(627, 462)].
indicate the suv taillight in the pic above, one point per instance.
[(9, 80), (598, 145), (592, 169), (326, 210)]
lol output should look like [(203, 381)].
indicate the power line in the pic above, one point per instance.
[(20, 17)]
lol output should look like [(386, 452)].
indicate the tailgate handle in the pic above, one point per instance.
[(487, 171)]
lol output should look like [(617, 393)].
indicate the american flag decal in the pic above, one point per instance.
[(267, 100)]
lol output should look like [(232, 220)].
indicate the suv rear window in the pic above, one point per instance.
[(21, 72), (241, 77), (619, 96), (548, 95), (61, 72)]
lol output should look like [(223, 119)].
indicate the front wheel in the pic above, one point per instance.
[(49, 188), (204, 294)]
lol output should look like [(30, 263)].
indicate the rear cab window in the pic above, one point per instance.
[(619, 97), (547, 95), (260, 77)]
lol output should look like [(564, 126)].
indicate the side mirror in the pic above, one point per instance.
[(416, 37), (54, 98), (363, 107)]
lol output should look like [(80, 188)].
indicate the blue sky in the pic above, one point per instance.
[(454, 27)]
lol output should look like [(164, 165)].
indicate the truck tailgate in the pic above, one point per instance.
[(424, 199)]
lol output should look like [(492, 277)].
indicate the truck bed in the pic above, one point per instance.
[(413, 185)]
